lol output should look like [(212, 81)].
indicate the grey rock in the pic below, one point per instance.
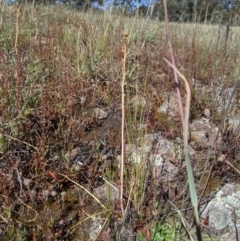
[(100, 114), (234, 123), (224, 212), (77, 167), (204, 133), (160, 152), (207, 113), (219, 217), (95, 227), (106, 193), (55, 158), (170, 106), (27, 182), (221, 158), (223, 96), (46, 193), (70, 155)]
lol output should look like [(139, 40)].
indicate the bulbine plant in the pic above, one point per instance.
[(185, 120), (192, 188)]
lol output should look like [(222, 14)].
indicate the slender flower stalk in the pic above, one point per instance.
[(173, 62), (192, 188), (185, 120), (125, 53)]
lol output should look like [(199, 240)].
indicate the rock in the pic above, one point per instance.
[(170, 106), (221, 158), (55, 158), (224, 212), (234, 123), (203, 132), (27, 182), (63, 194), (192, 153), (95, 227), (46, 193), (207, 113), (72, 155), (77, 167), (100, 114), (81, 155), (162, 153), (119, 158), (222, 97), (104, 157), (53, 193), (106, 192), (126, 233), (217, 92)]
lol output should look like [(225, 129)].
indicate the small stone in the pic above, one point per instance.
[(77, 168), (46, 193), (92, 143), (96, 155), (94, 86), (234, 123), (33, 193), (221, 158), (104, 157), (204, 133), (119, 158), (53, 193), (207, 113), (100, 114), (106, 192), (179, 140), (63, 194), (27, 182), (192, 143), (71, 155), (170, 106), (55, 158), (61, 222)]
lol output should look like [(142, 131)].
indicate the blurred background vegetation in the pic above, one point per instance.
[(210, 11)]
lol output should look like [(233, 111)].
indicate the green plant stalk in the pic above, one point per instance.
[(185, 120), (192, 188)]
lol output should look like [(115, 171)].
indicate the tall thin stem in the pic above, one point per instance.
[(173, 62), (125, 53)]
